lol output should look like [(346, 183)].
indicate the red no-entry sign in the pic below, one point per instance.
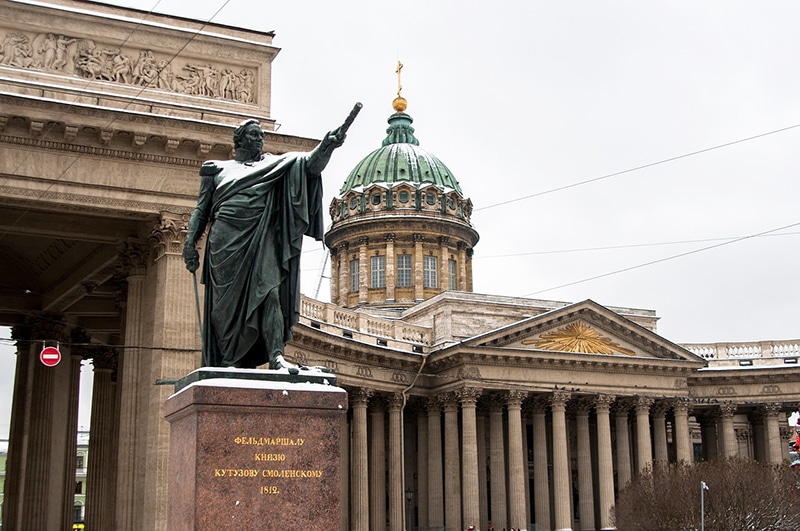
[(50, 356)]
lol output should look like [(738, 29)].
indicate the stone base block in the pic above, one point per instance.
[(254, 455)]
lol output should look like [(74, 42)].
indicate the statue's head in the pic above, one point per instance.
[(239, 132), (249, 137)]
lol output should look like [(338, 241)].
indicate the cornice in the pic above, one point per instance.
[(84, 203)]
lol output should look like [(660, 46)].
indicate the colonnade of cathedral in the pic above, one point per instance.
[(129, 438), (516, 458)]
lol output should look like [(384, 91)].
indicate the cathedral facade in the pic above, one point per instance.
[(465, 409)]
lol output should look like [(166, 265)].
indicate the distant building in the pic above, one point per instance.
[(465, 408), (79, 505)]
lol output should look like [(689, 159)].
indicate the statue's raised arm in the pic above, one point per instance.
[(319, 158)]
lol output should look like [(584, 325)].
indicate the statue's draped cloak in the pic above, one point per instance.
[(252, 255)]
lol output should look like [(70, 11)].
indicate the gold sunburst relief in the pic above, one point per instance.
[(578, 337)]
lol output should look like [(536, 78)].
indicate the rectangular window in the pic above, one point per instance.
[(429, 266), (354, 275), (451, 272), (404, 271), (377, 272), (79, 461)]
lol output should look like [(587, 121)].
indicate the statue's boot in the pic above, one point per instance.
[(278, 362)]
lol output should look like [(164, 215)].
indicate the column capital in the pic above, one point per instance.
[(448, 401), (643, 404), (395, 401), (660, 408), (468, 396), (727, 410), (363, 240), (770, 409), (622, 406), (602, 403), (514, 398), (390, 237), (559, 399), (132, 259), (41, 326), (169, 234), (681, 406), (377, 402), (360, 396), (539, 404), (433, 405), (582, 405)]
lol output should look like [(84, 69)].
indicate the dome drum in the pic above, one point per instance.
[(397, 269)]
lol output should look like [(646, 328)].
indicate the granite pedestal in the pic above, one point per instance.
[(254, 453)]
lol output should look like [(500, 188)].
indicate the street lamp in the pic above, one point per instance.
[(703, 489)]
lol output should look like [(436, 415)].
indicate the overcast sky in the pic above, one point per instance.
[(524, 101)]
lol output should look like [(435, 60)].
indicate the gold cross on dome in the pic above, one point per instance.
[(399, 86)]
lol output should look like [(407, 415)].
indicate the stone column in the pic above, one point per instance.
[(469, 454), (422, 469), (391, 281), (585, 486), (462, 268), (418, 267), (363, 270), (176, 332), (133, 396), (660, 434), (452, 465), (708, 430), (397, 500), (561, 473), (605, 465), (516, 461), (541, 476), (377, 463), (444, 269), (40, 479), (483, 458), (497, 463), (644, 448), (435, 462), (344, 275), (623, 444), (20, 419), (683, 442), (359, 508), (729, 444), (101, 462), (772, 435), (334, 286)]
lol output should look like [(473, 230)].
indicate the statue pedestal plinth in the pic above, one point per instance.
[(254, 454)]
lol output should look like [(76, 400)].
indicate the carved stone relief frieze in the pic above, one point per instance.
[(87, 59)]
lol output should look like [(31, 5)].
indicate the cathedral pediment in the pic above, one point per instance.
[(584, 328)]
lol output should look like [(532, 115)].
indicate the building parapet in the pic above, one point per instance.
[(390, 333), (747, 353)]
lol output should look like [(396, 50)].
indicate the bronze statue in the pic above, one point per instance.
[(259, 207)]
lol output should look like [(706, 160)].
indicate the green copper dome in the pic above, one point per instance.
[(400, 159)]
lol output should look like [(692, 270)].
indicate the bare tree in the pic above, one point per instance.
[(742, 495)]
